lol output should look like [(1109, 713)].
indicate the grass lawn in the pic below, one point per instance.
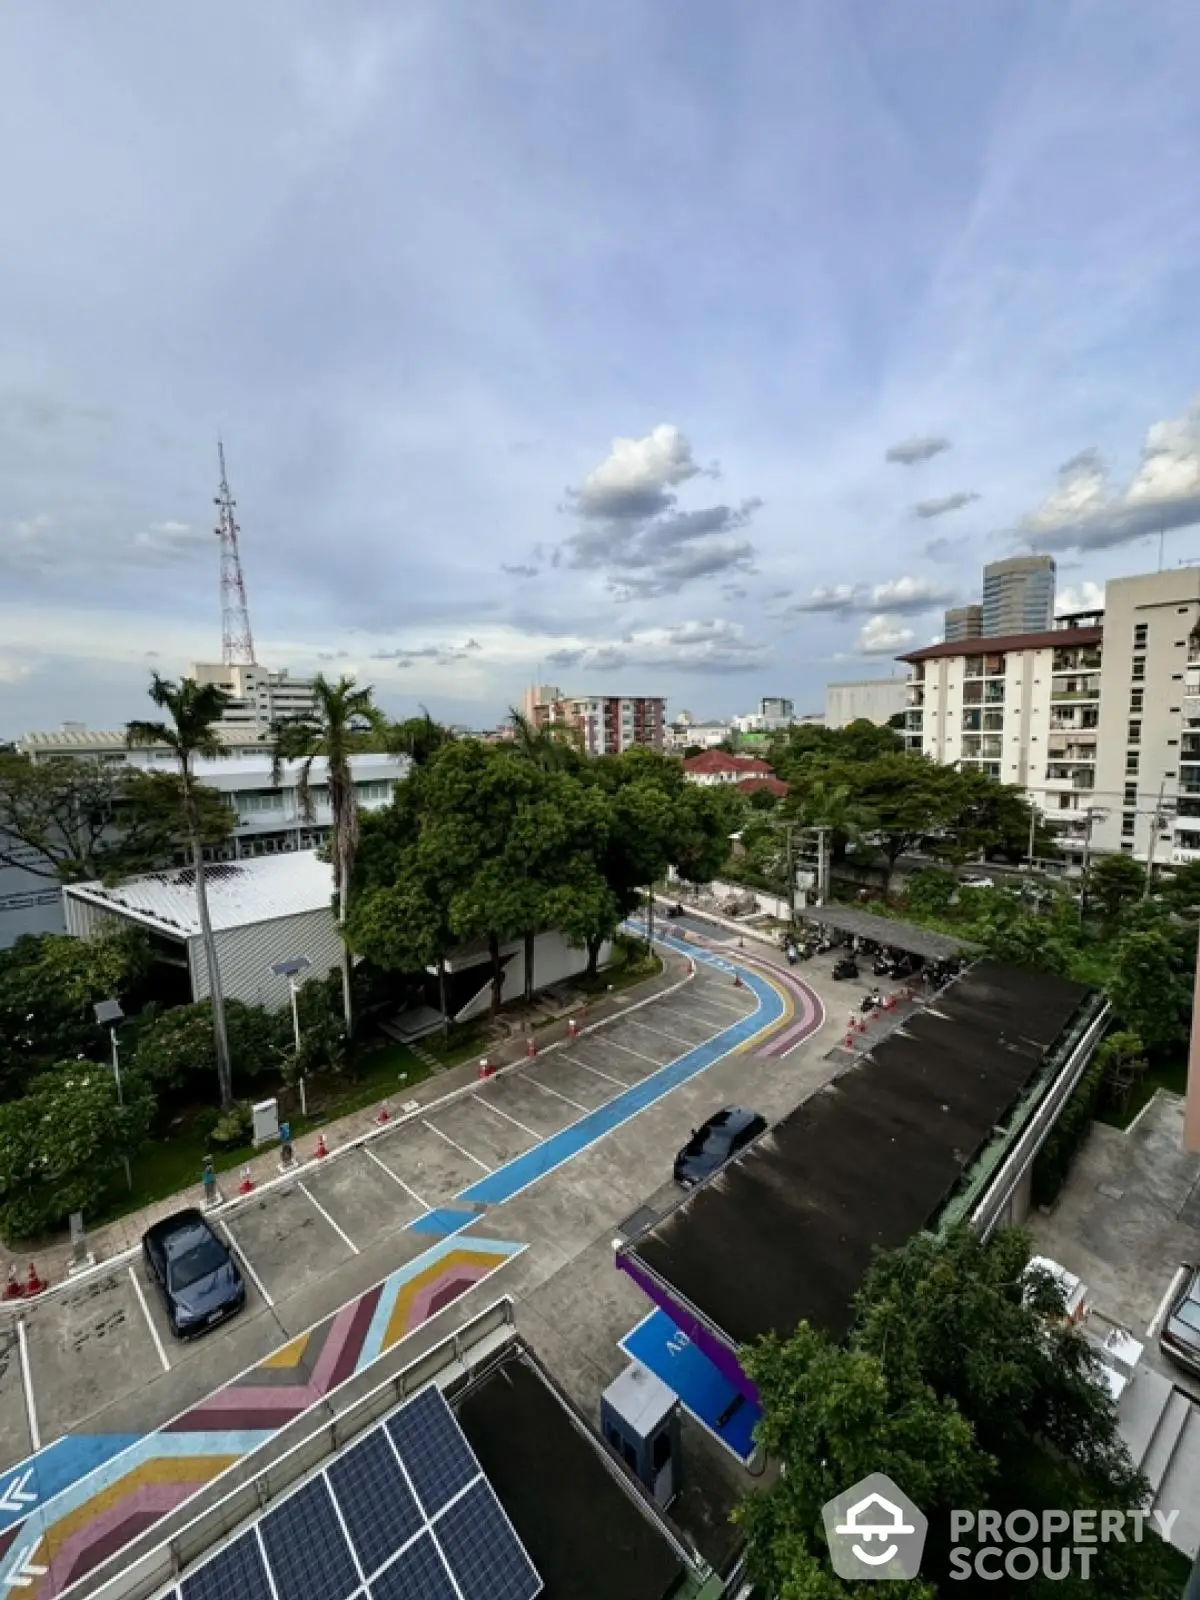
[(1173, 1076)]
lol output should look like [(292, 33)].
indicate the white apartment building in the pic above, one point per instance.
[(1097, 719), (260, 697)]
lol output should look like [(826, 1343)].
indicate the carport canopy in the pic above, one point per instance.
[(884, 930)]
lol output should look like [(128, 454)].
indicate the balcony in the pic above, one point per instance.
[(916, 694), (1062, 776), (1079, 660), (1072, 753), (1078, 730), (993, 694), (914, 721), (1075, 689)]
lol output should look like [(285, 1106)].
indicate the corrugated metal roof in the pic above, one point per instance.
[(1006, 643), (114, 738), (239, 893)]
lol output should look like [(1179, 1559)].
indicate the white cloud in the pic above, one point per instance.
[(697, 646), (908, 595), (884, 635), (1083, 512), (1088, 596), (637, 475), (169, 539), (909, 451)]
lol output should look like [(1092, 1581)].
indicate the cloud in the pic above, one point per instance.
[(909, 451), (949, 502), (440, 655), (910, 596), (1088, 597), (169, 540), (631, 530), (1082, 512), (698, 646), (519, 571), (883, 636), (943, 549)]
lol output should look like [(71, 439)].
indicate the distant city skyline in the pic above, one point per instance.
[(533, 342)]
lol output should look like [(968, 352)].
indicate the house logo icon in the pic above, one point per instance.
[(874, 1531)]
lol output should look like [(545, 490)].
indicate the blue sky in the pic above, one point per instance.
[(423, 265)]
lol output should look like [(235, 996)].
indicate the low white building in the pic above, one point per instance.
[(262, 912)]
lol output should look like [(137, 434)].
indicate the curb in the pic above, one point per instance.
[(228, 1208)]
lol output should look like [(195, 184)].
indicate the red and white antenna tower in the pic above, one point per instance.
[(237, 642)]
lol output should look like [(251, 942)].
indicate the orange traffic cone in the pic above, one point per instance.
[(322, 1149), (246, 1186), (383, 1114), (34, 1284)]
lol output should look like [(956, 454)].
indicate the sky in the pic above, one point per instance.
[(674, 347)]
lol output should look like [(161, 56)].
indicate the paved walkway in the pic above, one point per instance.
[(125, 1234)]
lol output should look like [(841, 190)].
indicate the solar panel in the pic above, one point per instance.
[(309, 1556), (377, 1506), (407, 1511), (420, 1574), (238, 1573), (431, 1445), (485, 1555)]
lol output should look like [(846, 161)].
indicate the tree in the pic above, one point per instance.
[(72, 821), (194, 710), (826, 797), (343, 716), (1113, 883), (48, 986), (962, 1380), (176, 1048), (419, 738), (61, 1143), (1150, 985), (554, 747), (907, 798), (402, 925)]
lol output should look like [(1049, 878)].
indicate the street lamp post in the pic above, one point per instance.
[(293, 969), (110, 1015)]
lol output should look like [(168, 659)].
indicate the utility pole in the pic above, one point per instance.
[(1157, 819), (1093, 813), (824, 841), (1032, 829), (791, 875)]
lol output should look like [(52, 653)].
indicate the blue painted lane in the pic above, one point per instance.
[(668, 1352), (39, 1478), (569, 1142)]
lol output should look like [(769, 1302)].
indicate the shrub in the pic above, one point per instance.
[(233, 1127)]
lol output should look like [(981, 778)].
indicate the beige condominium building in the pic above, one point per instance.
[(1092, 718)]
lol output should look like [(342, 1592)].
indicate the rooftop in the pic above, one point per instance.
[(721, 761), (1002, 643), (77, 737), (772, 785), (887, 931), (787, 1231), (239, 893)]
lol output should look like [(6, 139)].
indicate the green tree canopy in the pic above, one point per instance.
[(176, 1048)]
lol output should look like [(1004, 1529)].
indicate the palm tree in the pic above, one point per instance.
[(419, 738), (341, 717), (553, 747), (194, 710)]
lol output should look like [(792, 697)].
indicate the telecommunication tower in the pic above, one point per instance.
[(237, 642)]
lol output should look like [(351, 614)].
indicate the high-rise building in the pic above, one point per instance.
[(1097, 719), (962, 622), (605, 724), (1018, 595), (260, 697)]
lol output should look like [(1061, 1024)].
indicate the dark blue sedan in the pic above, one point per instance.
[(195, 1271), (715, 1142)]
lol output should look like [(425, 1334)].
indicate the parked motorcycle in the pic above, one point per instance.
[(845, 967), (675, 911), (872, 1001)]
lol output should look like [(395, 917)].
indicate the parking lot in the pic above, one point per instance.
[(98, 1357)]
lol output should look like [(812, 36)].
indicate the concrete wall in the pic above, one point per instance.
[(873, 700), (554, 960)]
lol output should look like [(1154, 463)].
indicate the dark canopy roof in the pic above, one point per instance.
[(787, 1231), (885, 930)]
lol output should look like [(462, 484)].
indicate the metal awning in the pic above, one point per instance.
[(885, 930)]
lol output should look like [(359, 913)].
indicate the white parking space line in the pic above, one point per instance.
[(688, 1044), (396, 1178), (246, 1262), (555, 1092), (141, 1300), (455, 1144), (596, 1073), (615, 1044), (723, 1007), (496, 1112), (35, 1436), (336, 1226), (1165, 1302)]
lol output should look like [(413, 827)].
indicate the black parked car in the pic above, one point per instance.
[(198, 1276), (714, 1142)]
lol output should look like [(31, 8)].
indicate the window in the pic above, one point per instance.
[(1127, 847), (1139, 635), (1064, 802), (1179, 643), (1135, 733), (1135, 699), (1128, 822), (1139, 668), (1131, 763), (1131, 794)]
